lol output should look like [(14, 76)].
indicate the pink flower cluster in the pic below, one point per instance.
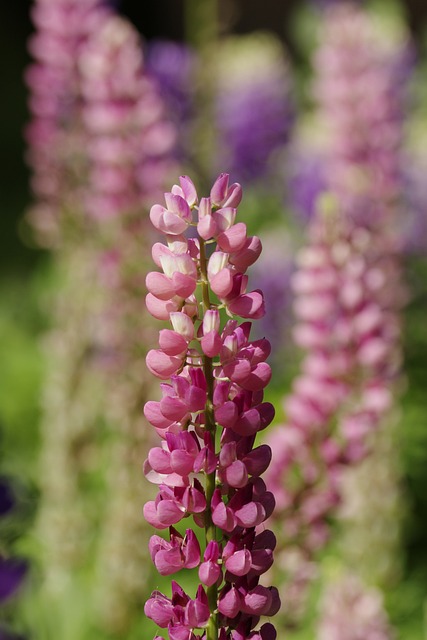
[(217, 378), (361, 94), (348, 283), (344, 388), (54, 134), (350, 610), (128, 140)]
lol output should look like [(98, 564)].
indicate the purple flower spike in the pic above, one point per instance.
[(12, 574), (213, 378), (254, 107)]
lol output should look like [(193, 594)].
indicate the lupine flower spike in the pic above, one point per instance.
[(207, 467)]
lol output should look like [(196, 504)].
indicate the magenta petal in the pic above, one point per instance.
[(159, 608), (262, 559), (222, 283), (230, 603), (247, 255), (274, 606), (159, 285), (159, 460), (195, 399), (191, 550), (160, 309), (250, 515), (154, 415), (169, 512), (168, 561), (206, 227), (258, 601), (173, 408), (236, 474), (233, 239), (181, 462), (259, 377), (184, 284), (209, 572), (238, 370), (211, 344), (151, 516), (223, 517), (248, 305), (162, 365), (227, 414), (239, 563), (257, 461), (172, 343), (249, 423), (267, 413)]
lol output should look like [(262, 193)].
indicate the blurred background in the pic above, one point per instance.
[(45, 288)]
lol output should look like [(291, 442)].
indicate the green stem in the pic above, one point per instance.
[(210, 425)]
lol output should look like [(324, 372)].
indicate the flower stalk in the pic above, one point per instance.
[(216, 389)]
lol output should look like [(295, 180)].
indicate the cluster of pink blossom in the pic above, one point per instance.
[(129, 147), (348, 283), (54, 135), (344, 388), (361, 95), (128, 139), (217, 380), (352, 611)]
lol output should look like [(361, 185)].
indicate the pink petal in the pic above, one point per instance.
[(222, 283), (182, 324), (209, 572), (206, 227), (238, 370), (239, 563), (162, 365), (236, 475), (159, 285), (248, 424), (230, 603), (211, 344), (227, 414), (172, 343), (189, 190), (160, 309), (258, 601), (248, 305), (233, 239), (219, 189), (258, 378), (159, 459), (223, 517), (250, 515), (168, 512), (247, 255), (154, 415), (173, 408), (184, 285)]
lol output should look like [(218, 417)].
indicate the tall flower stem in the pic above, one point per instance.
[(217, 376)]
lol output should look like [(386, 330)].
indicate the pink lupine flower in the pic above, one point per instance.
[(346, 307), (180, 552), (350, 610), (217, 376)]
